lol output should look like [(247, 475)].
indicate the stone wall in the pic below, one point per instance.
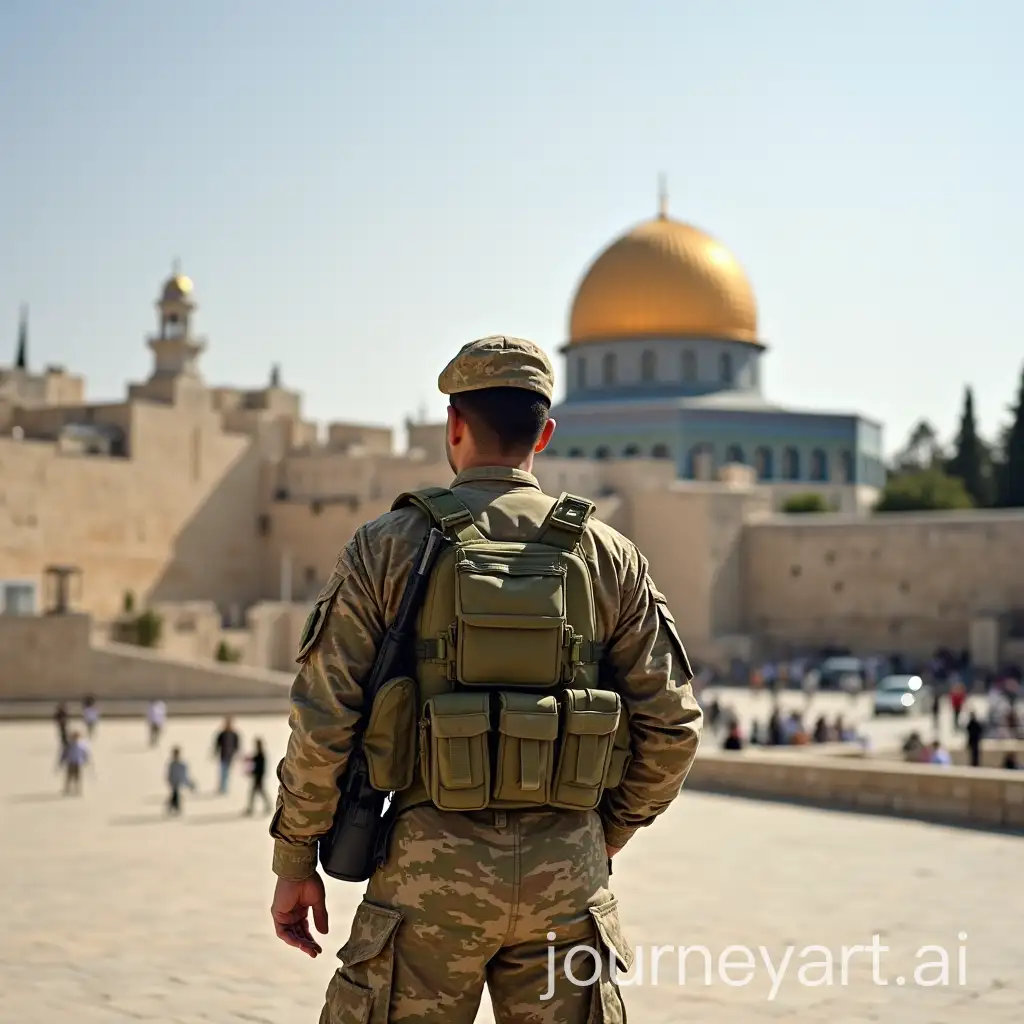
[(53, 658), (176, 520), (976, 796), (893, 582)]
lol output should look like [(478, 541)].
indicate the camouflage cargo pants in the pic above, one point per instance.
[(469, 898)]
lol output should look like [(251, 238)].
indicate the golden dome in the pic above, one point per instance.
[(664, 279), (178, 286)]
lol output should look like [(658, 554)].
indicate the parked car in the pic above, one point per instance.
[(842, 673), (901, 695)]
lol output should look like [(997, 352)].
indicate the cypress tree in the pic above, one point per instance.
[(970, 461), (1012, 481)]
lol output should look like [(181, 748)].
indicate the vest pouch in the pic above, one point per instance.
[(389, 739), (527, 732), (622, 753), (589, 721), (458, 763), (511, 628)]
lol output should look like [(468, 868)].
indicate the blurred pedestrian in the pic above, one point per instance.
[(177, 777), (74, 758), (257, 770)]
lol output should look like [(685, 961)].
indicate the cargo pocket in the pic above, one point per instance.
[(459, 763), (527, 731), (389, 740), (622, 753), (589, 721), (616, 956), (360, 992)]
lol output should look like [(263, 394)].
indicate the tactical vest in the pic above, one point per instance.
[(507, 709)]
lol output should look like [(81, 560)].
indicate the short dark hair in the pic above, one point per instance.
[(504, 421)]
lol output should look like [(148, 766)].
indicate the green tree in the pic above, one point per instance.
[(923, 490), (1011, 477), (148, 629), (811, 502), (971, 461), (921, 451), (225, 652)]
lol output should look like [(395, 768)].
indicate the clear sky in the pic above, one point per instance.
[(358, 189)]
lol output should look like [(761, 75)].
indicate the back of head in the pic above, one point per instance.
[(501, 389), (506, 421)]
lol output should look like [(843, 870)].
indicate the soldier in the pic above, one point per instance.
[(471, 892)]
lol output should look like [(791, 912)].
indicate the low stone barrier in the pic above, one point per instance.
[(992, 753), (54, 658), (976, 796)]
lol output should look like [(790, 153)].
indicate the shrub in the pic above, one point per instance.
[(805, 503)]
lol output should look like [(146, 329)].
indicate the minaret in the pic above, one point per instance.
[(175, 349), (21, 355)]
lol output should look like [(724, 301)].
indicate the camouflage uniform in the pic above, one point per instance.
[(490, 896)]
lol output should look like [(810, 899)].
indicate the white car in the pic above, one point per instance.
[(901, 695)]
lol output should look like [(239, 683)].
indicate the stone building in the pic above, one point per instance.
[(223, 509)]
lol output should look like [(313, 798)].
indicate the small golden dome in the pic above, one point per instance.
[(178, 286), (664, 279)]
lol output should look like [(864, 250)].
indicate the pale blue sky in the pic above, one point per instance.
[(359, 189)]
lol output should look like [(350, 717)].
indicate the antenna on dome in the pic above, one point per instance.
[(662, 197)]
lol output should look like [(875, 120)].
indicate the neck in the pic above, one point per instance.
[(483, 461)]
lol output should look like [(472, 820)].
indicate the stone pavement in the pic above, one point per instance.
[(112, 913)]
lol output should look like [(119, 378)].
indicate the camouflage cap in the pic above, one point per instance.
[(499, 362)]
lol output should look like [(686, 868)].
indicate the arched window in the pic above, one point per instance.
[(700, 463), (660, 451), (791, 464), (725, 367), (631, 451), (648, 366), (689, 367), (764, 464), (819, 465), (608, 368), (575, 453), (735, 454), (602, 453), (846, 467), (581, 372)]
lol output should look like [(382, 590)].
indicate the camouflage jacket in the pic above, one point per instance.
[(650, 665)]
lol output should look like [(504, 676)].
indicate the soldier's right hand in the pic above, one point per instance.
[(290, 911)]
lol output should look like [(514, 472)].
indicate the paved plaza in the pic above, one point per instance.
[(111, 912)]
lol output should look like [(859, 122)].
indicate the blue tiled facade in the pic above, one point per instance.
[(699, 403)]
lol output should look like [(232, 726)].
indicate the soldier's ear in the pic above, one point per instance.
[(545, 436), (456, 425)]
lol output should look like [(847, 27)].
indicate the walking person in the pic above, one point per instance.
[(60, 720), (257, 771), (178, 777), (975, 732), (540, 621), (225, 748), (156, 716), (90, 715), (74, 757)]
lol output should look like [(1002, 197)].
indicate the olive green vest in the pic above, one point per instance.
[(507, 709)]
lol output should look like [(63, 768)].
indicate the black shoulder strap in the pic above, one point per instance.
[(565, 523), (446, 511)]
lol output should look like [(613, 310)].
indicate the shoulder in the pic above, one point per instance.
[(390, 538), (614, 552)]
